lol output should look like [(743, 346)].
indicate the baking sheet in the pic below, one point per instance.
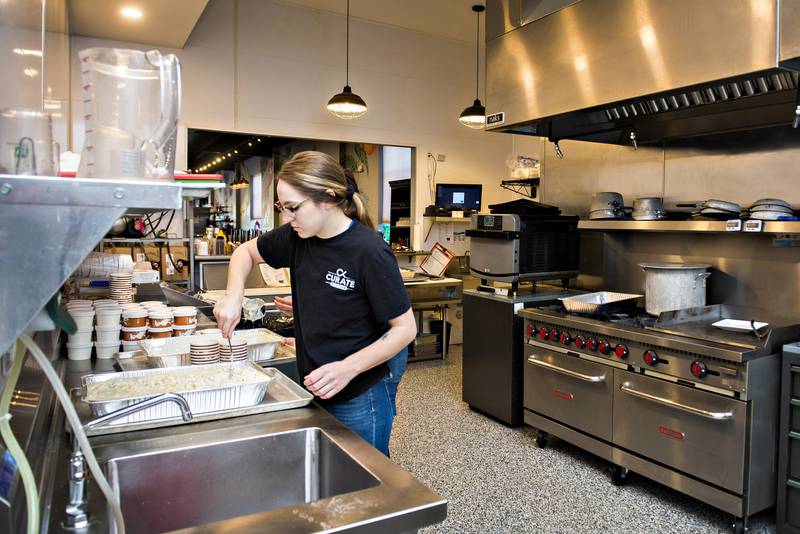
[(282, 394)]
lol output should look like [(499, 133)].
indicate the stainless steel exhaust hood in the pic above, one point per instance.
[(641, 71)]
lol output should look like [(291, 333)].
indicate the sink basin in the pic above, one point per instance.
[(196, 485)]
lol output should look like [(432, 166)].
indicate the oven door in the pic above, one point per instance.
[(572, 391), (699, 433), (495, 258)]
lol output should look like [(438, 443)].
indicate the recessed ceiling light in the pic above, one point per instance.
[(131, 12)]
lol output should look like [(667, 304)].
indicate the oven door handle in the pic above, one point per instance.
[(568, 372), (717, 416)]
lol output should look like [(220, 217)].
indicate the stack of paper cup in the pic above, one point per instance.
[(134, 316), (120, 285)]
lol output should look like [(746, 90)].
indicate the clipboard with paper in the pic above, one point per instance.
[(436, 264)]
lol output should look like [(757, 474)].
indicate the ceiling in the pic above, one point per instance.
[(453, 19), (166, 23), (207, 145)]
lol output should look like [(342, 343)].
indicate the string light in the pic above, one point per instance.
[(224, 155)]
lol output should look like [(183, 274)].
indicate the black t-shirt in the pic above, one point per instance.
[(344, 291)]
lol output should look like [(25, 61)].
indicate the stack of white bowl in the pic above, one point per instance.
[(120, 286), (107, 329), (79, 344), (771, 209), (236, 351), (204, 351)]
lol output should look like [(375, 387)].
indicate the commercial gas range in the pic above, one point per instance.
[(674, 399)]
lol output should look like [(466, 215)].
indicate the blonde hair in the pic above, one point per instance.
[(316, 174)]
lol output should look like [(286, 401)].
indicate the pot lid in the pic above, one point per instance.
[(673, 265)]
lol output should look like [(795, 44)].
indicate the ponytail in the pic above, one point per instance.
[(316, 174)]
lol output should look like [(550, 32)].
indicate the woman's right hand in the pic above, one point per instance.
[(228, 311)]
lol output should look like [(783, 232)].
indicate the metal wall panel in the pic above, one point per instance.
[(600, 51)]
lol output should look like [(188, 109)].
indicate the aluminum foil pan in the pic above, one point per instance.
[(200, 401), (595, 302)]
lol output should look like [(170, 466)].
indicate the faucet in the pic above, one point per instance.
[(77, 517)]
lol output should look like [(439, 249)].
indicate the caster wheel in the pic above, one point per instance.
[(739, 527), (620, 476), (541, 439)]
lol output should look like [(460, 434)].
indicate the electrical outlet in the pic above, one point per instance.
[(440, 157)]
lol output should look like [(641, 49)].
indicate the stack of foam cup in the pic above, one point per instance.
[(107, 330), (204, 351), (79, 344), (120, 286), (236, 351)]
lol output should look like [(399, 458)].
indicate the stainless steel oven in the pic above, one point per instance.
[(668, 399)]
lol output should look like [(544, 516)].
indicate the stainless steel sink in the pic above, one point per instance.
[(196, 485)]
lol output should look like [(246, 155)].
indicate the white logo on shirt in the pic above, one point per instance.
[(339, 280)]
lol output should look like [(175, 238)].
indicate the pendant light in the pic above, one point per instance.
[(239, 182), (347, 104), (475, 115)]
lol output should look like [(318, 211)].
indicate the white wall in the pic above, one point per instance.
[(272, 69)]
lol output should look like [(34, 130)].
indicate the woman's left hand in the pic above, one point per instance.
[(328, 380)]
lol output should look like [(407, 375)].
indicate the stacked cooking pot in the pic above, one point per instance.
[(649, 209), (770, 209), (607, 205)]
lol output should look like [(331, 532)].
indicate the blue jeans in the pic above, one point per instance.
[(397, 366), (369, 415)]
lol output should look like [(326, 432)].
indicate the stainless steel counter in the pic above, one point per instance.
[(225, 475)]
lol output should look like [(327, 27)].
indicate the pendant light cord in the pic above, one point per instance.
[(477, 52), (347, 47)]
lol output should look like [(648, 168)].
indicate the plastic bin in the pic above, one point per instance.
[(436, 328)]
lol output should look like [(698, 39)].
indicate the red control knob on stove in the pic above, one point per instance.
[(554, 334), (591, 343), (699, 369), (565, 338), (604, 347), (543, 333), (621, 351), (580, 342), (529, 330), (651, 358)]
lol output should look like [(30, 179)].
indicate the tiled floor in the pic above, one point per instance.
[(496, 480)]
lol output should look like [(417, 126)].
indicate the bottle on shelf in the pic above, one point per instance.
[(220, 244)]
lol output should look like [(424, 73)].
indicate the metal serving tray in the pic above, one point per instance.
[(200, 401), (261, 346), (281, 394)]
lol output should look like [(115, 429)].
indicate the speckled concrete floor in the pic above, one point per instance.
[(496, 480)]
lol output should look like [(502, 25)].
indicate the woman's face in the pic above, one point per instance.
[(306, 217)]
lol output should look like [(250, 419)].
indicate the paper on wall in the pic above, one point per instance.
[(274, 277)]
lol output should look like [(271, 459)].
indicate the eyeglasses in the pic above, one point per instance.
[(291, 209)]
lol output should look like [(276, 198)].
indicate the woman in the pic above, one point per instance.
[(351, 310)]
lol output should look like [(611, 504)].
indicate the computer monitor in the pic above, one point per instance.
[(459, 196)]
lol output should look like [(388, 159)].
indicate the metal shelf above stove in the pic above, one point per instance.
[(769, 227)]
